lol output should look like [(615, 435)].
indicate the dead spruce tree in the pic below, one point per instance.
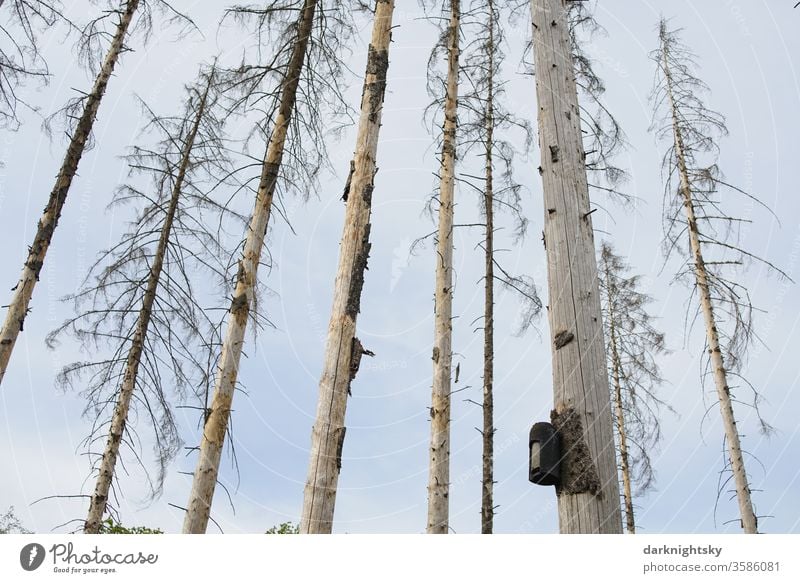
[(292, 92), (83, 111), (698, 226), (485, 127), (139, 299), (603, 137), (21, 22), (633, 347), (343, 351), (588, 495), (445, 94)]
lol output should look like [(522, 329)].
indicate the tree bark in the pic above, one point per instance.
[(749, 522), (216, 424), (99, 500), (487, 481), (18, 308), (630, 522), (588, 495), (439, 475), (616, 374), (343, 351)]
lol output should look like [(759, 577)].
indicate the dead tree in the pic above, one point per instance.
[(603, 137), (20, 56), (487, 456), (698, 227), (633, 347), (485, 128), (293, 90), (84, 110), (588, 495), (139, 298), (439, 458), (343, 351)]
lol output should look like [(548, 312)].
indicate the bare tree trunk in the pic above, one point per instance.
[(588, 495), (439, 476), (630, 522), (749, 522), (99, 500), (343, 350), (616, 371), (216, 424), (487, 481), (18, 308)]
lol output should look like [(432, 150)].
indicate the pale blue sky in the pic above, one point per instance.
[(749, 53)]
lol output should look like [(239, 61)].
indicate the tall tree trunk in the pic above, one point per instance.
[(749, 521), (619, 413), (439, 476), (216, 424), (18, 308), (588, 495), (630, 522), (99, 500), (487, 481), (343, 351)]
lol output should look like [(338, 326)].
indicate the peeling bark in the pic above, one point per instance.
[(343, 350), (578, 471), (561, 339), (439, 471), (211, 445)]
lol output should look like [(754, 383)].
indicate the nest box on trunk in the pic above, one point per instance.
[(545, 455)]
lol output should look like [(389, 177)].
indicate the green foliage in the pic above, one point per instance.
[(108, 526), (284, 528), (10, 524)]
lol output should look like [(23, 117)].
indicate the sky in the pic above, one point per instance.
[(748, 53)]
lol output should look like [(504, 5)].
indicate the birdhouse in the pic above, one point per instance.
[(545, 455)]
